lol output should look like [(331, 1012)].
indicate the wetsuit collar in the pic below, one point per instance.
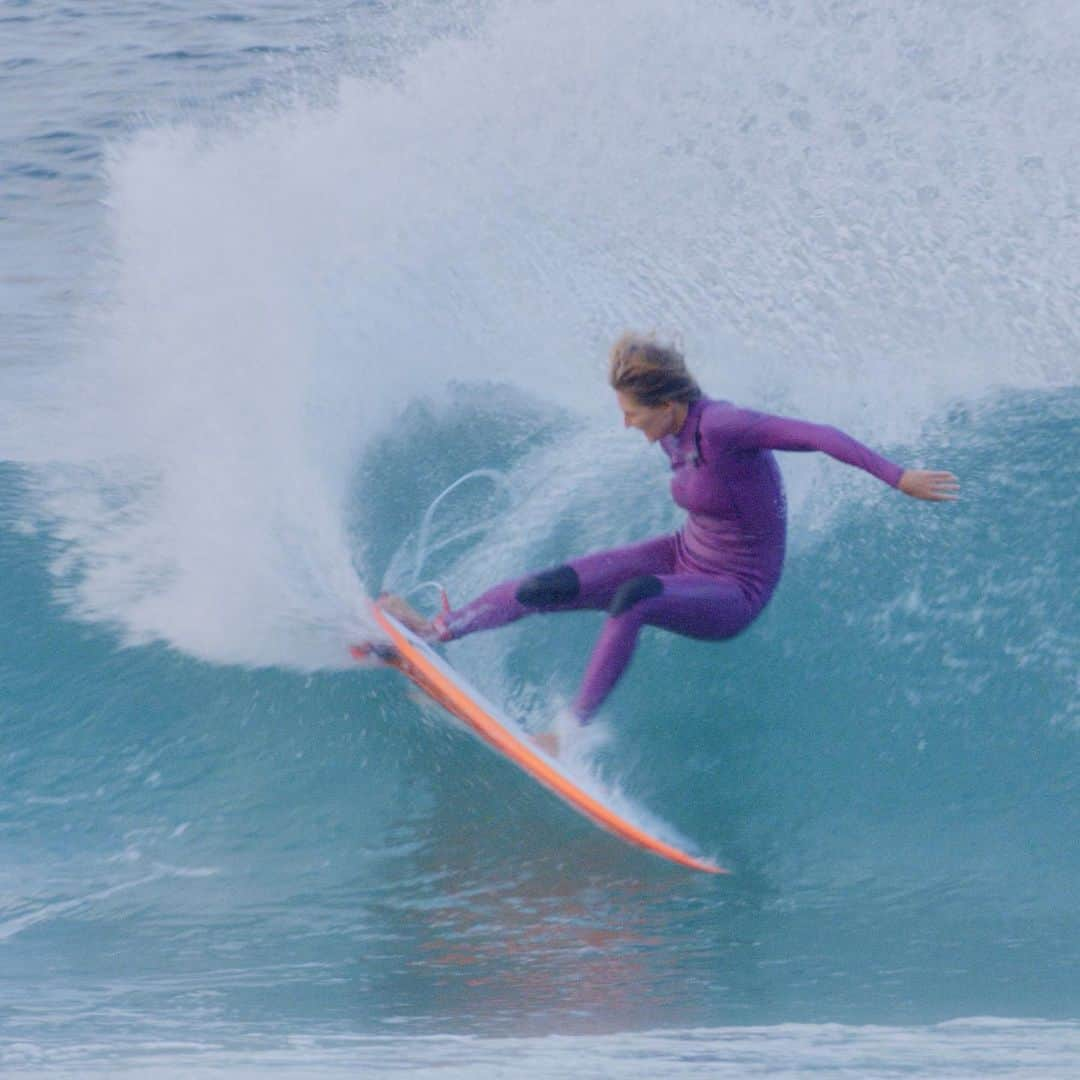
[(692, 417), (686, 445)]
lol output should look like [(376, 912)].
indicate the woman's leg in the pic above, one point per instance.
[(695, 605), (589, 582)]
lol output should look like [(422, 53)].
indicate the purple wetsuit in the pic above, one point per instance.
[(710, 579)]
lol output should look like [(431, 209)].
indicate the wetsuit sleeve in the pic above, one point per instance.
[(744, 429)]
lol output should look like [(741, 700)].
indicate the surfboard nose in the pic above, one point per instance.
[(375, 654)]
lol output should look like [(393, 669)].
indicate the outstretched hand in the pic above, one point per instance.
[(930, 485)]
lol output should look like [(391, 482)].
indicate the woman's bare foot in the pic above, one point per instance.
[(548, 741), (407, 616)]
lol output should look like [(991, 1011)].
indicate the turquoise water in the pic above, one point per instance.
[(274, 279)]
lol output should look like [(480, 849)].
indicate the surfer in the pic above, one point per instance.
[(712, 578)]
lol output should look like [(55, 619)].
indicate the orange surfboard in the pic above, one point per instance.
[(414, 659)]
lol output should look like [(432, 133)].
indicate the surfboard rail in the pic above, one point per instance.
[(442, 684)]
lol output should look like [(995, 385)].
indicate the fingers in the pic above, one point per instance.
[(945, 485), (939, 486), (932, 485)]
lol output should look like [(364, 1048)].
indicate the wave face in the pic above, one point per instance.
[(305, 310)]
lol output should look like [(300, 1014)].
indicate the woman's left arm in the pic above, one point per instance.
[(765, 432)]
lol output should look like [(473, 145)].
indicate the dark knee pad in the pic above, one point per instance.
[(630, 592), (558, 586)]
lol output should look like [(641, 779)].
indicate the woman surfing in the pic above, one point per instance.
[(712, 578)]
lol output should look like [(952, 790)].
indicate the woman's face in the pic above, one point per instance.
[(653, 421)]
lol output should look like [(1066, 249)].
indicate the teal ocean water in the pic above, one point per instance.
[(275, 278)]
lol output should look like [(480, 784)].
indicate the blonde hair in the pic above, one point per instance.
[(652, 373)]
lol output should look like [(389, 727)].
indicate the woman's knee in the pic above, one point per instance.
[(633, 592), (558, 586)]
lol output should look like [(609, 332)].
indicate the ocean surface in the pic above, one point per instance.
[(299, 302)]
